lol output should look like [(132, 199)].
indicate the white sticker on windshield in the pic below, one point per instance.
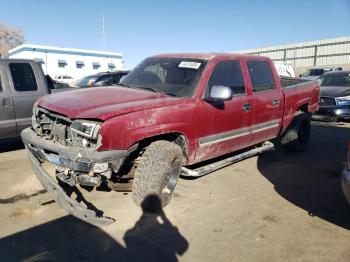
[(190, 65)]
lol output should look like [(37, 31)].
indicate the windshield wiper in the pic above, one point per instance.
[(150, 88), (126, 85)]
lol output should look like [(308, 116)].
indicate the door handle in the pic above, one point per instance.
[(247, 107), (6, 103), (275, 102)]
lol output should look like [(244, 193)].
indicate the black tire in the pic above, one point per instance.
[(296, 138), (156, 175)]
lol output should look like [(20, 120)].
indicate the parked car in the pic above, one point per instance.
[(102, 79), (170, 112), (21, 83), (315, 72), (335, 95), (53, 84), (346, 176), (64, 79)]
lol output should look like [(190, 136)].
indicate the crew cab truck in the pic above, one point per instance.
[(170, 112), (22, 82)]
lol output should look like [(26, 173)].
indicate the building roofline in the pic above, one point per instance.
[(296, 45), (54, 49)]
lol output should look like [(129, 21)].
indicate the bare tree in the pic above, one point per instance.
[(9, 38)]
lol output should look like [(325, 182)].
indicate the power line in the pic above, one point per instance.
[(103, 32)]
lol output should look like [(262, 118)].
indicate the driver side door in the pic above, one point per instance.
[(223, 127)]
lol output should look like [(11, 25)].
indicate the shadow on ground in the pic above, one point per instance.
[(11, 145), (311, 180), (153, 238)]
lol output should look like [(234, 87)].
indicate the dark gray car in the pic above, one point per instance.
[(102, 79), (346, 176), (22, 82), (335, 95)]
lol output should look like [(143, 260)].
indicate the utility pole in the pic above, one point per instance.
[(103, 33)]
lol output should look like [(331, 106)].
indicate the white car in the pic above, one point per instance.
[(64, 79), (314, 73)]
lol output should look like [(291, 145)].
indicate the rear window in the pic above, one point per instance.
[(23, 77), (261, 76)]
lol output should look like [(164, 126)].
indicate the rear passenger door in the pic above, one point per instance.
[(25, 92), (7, 110), (266, 102)]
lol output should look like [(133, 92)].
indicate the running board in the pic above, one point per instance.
[(204, 170)]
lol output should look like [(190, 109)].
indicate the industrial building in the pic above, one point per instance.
[(327, 52), (76, 63)]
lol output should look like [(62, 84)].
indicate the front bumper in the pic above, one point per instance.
[(345, 182), (74, 158), (60, 196), (77, 159)]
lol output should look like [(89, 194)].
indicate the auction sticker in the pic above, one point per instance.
[(190, 65)]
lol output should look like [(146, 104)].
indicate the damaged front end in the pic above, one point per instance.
[(72, 147)]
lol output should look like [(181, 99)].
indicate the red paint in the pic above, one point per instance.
[(130, 115)]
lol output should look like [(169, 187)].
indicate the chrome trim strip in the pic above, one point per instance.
[(224, 136), (24, 121), (238, 133), (265, 126), (8, 123)]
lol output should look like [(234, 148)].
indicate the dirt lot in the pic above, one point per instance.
[(273, 207)]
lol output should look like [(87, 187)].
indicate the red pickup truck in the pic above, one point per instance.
[(170, 112)]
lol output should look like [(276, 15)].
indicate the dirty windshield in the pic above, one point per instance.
[(171, 76)]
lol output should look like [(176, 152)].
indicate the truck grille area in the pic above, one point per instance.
[(327, 101), (56, 128)]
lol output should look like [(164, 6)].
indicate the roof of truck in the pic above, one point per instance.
[(207, 56)]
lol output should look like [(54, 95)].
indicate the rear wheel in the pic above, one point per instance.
[(296, 139), (156, 175)]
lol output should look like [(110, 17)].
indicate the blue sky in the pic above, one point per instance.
[(142, 28)]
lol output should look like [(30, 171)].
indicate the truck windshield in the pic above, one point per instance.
[(171, 76)]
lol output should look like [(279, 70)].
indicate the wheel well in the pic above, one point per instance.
[(177, 138), (304, 108)]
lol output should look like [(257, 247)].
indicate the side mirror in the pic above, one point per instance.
[(220, 93)]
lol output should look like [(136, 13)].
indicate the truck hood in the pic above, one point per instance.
[(103, 102), (335, 91)]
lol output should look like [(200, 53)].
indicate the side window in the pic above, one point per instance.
[(228, 73), (115, 78), (0, 85), (96, 65), (23, 77), (261, 76), (106, 79)]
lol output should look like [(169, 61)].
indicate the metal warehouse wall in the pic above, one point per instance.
[(328, 52)]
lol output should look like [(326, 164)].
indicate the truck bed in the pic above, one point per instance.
[(287, 82)]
